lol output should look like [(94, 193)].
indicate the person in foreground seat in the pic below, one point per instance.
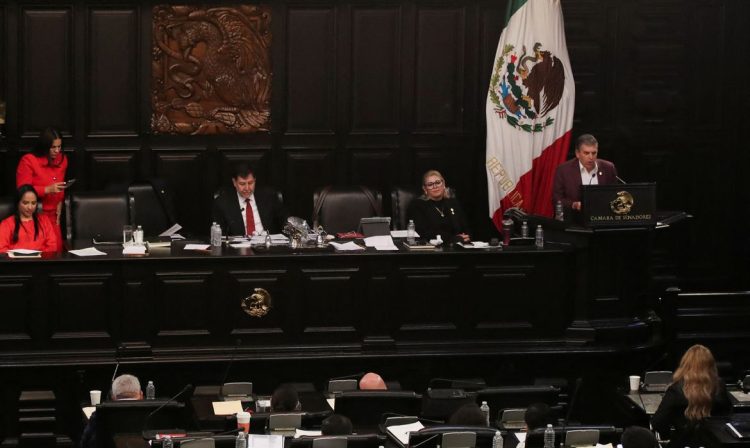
[(26, 228), (336, 425), (695, 394), (247, 210), (372, 381), (585, 169), (124, 387), (437, 212), (285, 399), (638, 437)]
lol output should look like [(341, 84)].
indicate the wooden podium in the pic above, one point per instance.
[(620, 205)]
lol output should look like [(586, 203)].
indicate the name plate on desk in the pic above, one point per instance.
[(628, 205)]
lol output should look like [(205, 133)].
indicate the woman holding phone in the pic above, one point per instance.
[(44, 168)]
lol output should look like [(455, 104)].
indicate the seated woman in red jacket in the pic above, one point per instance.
[(27, 229)]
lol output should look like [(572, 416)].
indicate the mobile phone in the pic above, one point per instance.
[(69, 182)]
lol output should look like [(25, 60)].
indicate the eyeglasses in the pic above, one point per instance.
[(431, 185)]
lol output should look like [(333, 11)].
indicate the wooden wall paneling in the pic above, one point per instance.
[(310, 64), (46, 66), (307, 170), (330, 305), (440, 68), (113, 72), (106, 166), (17, 292), (83, 308), (376, 69), (427, 306), (587, 24), (505, 306), (185, 172), (183, 304), (374, 167)]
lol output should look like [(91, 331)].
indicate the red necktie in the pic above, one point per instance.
[(249, 217)]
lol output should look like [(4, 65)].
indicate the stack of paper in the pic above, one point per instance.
[(135, 249), (401, 432), (348, 246), (197, 246), (87, 252), (381, 242)]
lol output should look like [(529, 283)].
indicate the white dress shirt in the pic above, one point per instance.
[(256, 215), (589, 177)]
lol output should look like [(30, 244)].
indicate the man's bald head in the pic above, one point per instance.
[(372, 381)]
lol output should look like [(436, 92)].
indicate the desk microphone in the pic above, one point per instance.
[(579, 381), (593, 176), (237, 343), (620, 179), (424, 441), (155, 411), (112, 381)]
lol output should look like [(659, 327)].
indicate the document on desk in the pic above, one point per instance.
[(402, 234), (87, 252), (740, 396), (348, 246), (263, 441), (475, 245), (521, 436), (303, 432), (331, 402), (380, 242), (172, 230), (197, 246), (227, 407), (241, 245), (134, 250), (88, 410), (401, 432)]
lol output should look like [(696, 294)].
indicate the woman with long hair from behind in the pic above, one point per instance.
[(695, 393)]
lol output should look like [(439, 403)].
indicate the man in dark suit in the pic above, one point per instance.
[(246, 210), (585, 169)]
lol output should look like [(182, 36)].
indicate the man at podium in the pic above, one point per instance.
[(585, 169)]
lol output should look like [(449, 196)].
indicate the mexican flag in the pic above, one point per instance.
[(529, 108)]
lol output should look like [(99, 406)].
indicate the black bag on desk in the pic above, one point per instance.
[(440, 404)]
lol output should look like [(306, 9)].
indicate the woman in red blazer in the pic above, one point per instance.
[(44, 168), (27, 229)]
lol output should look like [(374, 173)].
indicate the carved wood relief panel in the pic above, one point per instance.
[(211, 69)]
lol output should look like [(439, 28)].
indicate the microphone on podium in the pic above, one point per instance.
[(621, 181), (156, 411)]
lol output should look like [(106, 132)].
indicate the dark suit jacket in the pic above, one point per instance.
[(567, 186), (671, 414), (226, 211)]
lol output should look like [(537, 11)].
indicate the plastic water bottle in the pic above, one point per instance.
[(559, 215), (525, 229), (241, 441), (485, 408), (549, 437), (539, 237), (215, 235), (497, 441), (411, 232), (268, 240), (150, 391), (168, 443), (138, 235)]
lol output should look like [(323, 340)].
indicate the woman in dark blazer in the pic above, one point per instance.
[(696, 393), (437, 212)]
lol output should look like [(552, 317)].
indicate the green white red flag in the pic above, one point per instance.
[(529, 108)]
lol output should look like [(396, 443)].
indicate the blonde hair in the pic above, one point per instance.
[(447, 193), (700, 381)]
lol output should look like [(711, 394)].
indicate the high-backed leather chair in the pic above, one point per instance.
[(96, 215), (365, 407), (339, 209), (6, 207), (152, 207), (401, 197)]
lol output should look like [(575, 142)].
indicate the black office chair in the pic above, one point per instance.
[(371, 440), (401, 198), (432, 436), (339, 209), (6, 207), (365, 407), (153, 208), (440, 404), (504, 397), (96, 215)]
